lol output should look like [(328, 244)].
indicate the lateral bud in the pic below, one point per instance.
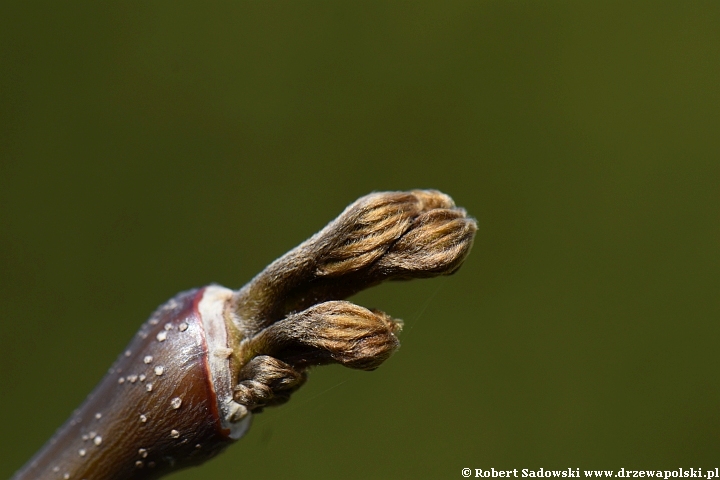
[(266, 381), (331, 332)]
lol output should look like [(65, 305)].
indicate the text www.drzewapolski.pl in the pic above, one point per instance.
[(577, 473)]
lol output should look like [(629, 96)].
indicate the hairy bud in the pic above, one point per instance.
[(331, 332), (267, 381), (437, 243), (381, 236)]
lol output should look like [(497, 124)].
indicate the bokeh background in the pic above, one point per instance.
[(150, 147)]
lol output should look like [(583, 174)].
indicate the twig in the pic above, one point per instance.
[(206, 361)]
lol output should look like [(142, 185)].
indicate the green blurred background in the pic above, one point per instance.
[(151, 147)]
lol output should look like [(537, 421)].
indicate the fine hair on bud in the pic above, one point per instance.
[(331, 332), (381, 236), (365, 230), (266, 381), (438, 242)]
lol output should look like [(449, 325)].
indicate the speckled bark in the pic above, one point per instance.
[(154, 411)]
